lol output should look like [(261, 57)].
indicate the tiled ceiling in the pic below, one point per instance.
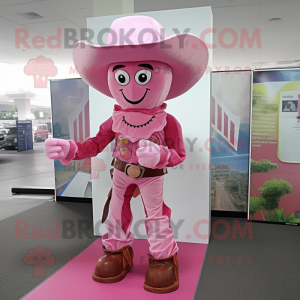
[(280, 40), (64, 14)]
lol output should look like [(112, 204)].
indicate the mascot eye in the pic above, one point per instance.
[(142, 77), (122, 77)]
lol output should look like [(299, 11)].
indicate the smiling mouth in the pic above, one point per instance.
[(134, 102)]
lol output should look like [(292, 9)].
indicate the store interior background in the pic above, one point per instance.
[(275, 23)]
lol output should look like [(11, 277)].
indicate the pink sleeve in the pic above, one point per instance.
[(175, 153), (71, 154), (92, 146)]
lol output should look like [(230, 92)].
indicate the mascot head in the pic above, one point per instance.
[(140, 67)]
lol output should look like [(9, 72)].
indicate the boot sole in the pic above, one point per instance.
[(111, 279), (162, 290)]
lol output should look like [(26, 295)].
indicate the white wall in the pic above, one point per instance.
[(187, 191)]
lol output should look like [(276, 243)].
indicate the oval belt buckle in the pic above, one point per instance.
[(134, 171)]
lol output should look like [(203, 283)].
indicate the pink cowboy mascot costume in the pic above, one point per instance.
[(140, 72)]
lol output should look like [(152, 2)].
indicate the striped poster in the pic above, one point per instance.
[(225, 122)]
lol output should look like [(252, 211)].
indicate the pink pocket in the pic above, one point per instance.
[(125, 147)]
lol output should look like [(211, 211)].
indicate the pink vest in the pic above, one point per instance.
[(125, 150), (130, 126)]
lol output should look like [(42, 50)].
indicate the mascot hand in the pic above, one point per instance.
[(148, 154), (56, 148)]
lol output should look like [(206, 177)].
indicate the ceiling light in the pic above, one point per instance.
[(264, 64), (285, 62), (30, 16), (275, 20)]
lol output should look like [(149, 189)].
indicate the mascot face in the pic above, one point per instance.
[(139, 85)]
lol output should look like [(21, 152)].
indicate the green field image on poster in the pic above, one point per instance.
[(275, 147)]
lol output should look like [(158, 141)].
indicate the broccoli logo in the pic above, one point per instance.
[(40, 68), (39, 258), (97, 166)]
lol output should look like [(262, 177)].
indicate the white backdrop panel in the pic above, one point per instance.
[(186, 188)]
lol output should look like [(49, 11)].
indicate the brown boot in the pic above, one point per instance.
[(113, 266), (162, 275)]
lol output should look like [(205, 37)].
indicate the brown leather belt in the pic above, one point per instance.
[(136, 171), (130, 170)]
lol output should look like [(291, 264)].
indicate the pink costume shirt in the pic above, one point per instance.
[(129, 126)]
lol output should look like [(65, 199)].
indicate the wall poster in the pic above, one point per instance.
[(230, 118), (70, 117), (274, 190)]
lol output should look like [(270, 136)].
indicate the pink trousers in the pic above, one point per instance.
[(157, 221)]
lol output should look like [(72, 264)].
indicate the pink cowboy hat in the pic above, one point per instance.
[(142, 38)]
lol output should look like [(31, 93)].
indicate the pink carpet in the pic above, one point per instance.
[(74, 280)]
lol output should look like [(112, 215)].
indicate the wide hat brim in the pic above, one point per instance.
[(188, 61)]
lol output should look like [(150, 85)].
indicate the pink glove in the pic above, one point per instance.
[(151, 155), (56, 148), (148, 154)]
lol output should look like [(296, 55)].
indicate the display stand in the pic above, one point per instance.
[(229, 214), (230, 109), (275, 145), (70, 119), (24, 135), (32, 190)]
